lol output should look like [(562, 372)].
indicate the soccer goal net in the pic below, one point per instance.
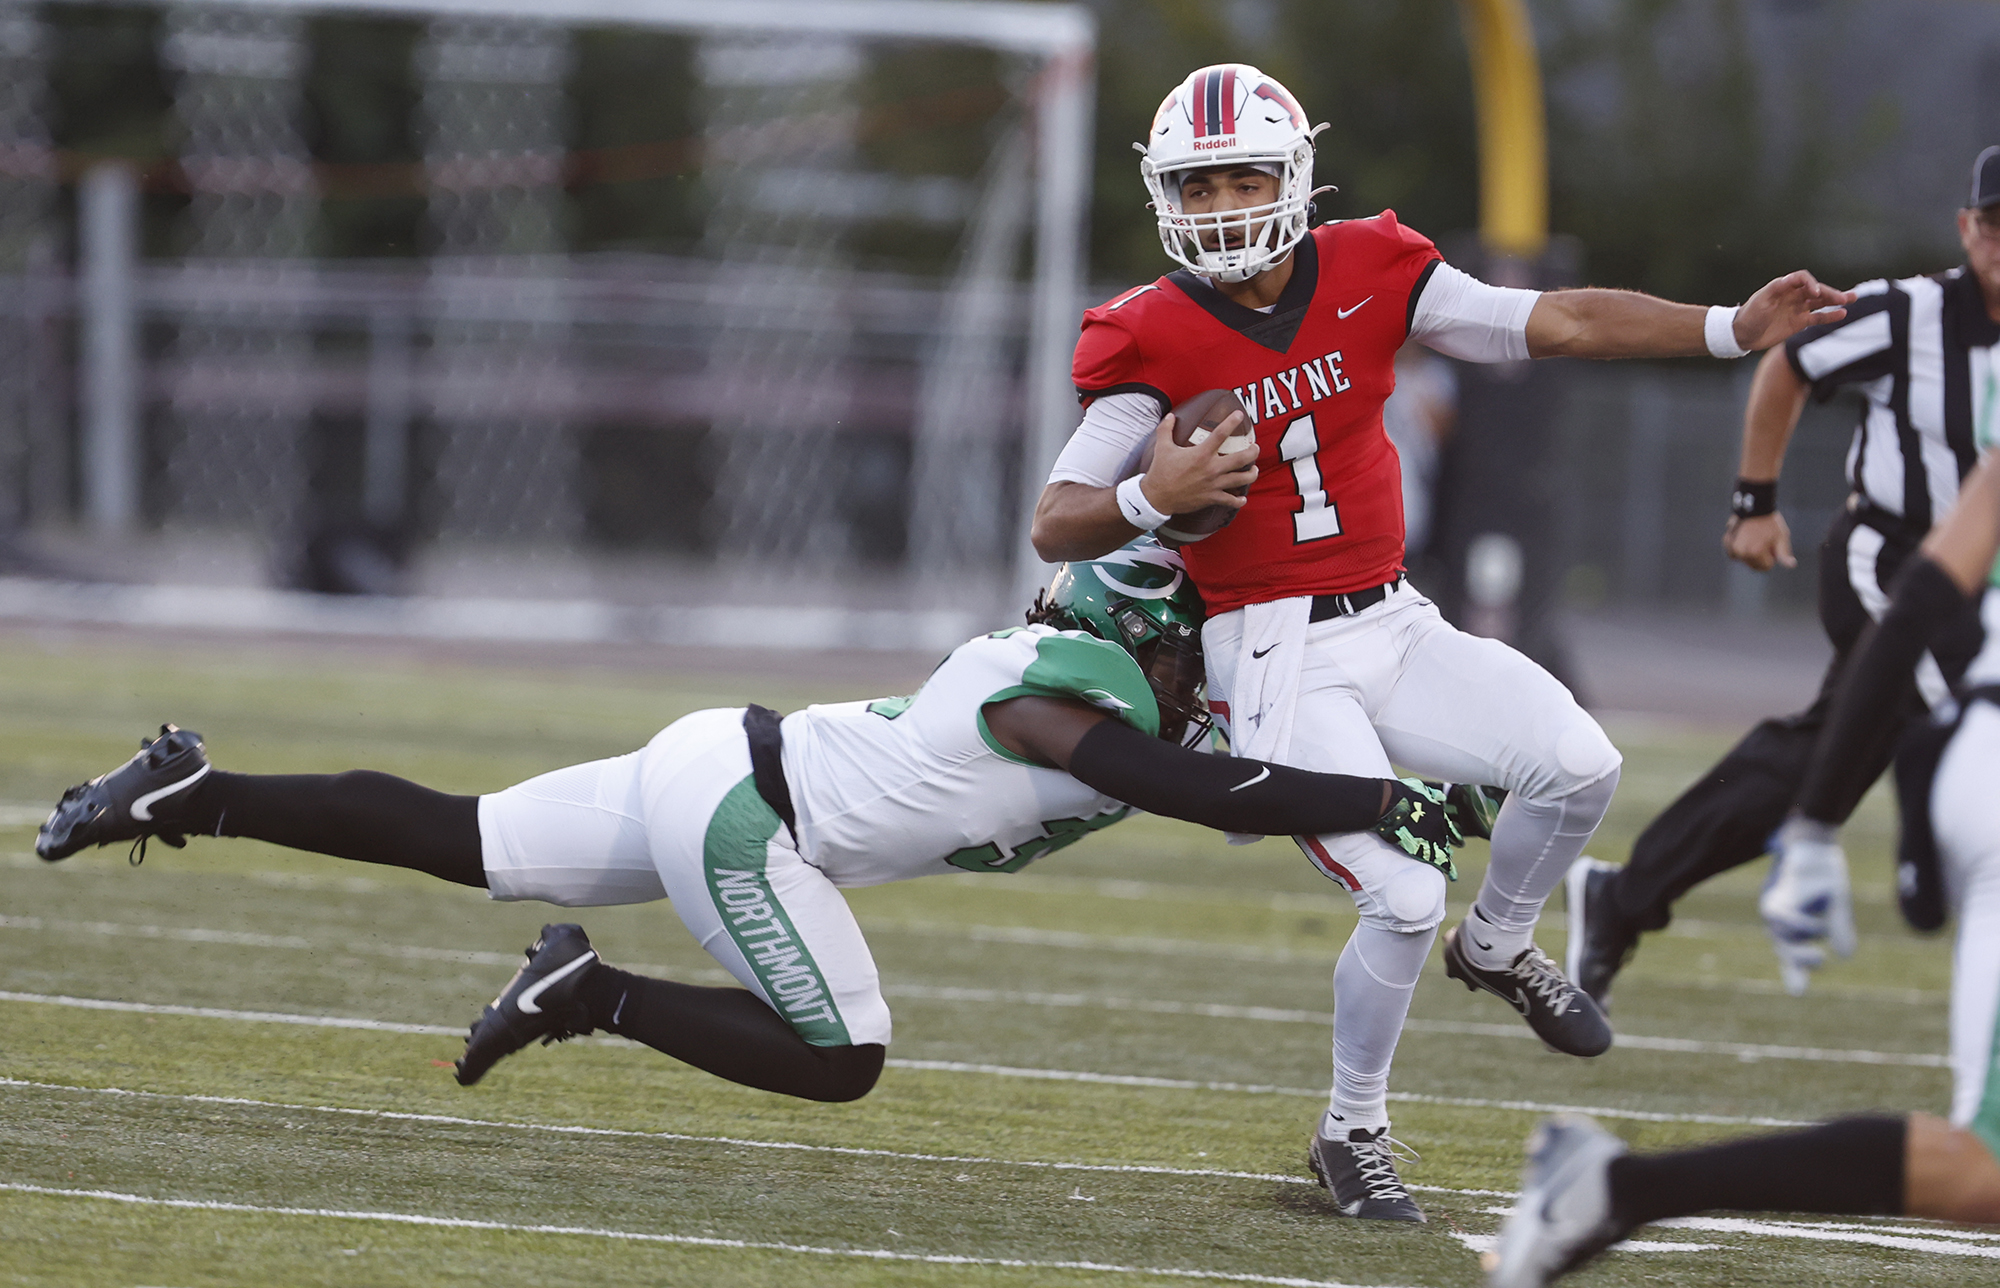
[(771, 287)]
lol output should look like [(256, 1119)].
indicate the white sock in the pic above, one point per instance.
[(1372, 986), (1534, 843)]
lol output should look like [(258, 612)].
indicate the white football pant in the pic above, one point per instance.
[(1397, 683), (681, 820)]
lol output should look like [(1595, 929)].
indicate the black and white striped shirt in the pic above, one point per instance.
[(1922, 351)]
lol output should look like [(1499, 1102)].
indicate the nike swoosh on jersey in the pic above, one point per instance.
[(142, 809), (1262, 651), (1262, 774), (526, 1001), (1341, 313)]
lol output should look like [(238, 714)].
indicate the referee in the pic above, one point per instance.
[(1922, 351)]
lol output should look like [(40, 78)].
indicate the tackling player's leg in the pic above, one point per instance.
[(588, 846)]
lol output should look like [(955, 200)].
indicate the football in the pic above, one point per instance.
[(1194, 421)]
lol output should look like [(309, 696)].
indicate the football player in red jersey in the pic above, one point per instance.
[(1320, 655)]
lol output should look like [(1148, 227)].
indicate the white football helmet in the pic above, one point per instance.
[(1227, 115)]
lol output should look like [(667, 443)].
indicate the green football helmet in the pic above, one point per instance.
[(1139, 598)]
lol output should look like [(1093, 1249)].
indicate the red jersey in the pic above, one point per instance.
[(1325, 515)]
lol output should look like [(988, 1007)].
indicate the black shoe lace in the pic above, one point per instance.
[(1376, 1161), (1539, 974)]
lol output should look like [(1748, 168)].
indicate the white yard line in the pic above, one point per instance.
[(1491, 1243), (1951, 1243), (1023, 935), (218, 1013), (1455, 1102), (1460, 1028), (247, 939), (940, 1066), (452, 1120), (1943, 1242), (1194, 948), (1745, 1051), (681, 1240), (1903, 1237), (358, 948)]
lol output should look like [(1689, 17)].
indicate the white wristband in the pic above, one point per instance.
[(1719, 329), (1138, 511)]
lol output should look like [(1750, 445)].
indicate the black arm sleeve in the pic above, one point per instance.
[(1878, 691), (1222, 792)]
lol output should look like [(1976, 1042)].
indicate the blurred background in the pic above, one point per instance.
[(334, 318)]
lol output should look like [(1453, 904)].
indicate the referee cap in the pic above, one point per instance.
[(1986, 179)]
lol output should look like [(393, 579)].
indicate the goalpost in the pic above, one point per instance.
[(502, 299)]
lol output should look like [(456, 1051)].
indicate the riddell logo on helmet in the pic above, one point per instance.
[(1209, 145)]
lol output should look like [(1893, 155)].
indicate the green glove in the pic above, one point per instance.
[(1472, 806)]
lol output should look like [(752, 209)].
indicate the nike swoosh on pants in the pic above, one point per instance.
[(526, 1001), (142, 809)]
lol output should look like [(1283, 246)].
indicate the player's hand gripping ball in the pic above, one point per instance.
[(1194, 420)]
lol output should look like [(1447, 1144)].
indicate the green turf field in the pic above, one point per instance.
[(1105, 1068)]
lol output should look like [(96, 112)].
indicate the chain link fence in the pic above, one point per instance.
[(827, 374)]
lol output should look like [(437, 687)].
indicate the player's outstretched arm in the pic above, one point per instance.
[(1594, 323), (1228, 793), (1077, 521)]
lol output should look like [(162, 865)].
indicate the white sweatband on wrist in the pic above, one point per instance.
[(1138, 511), (1719, 329)]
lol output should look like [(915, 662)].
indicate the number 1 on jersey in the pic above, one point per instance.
[(1319, 518)]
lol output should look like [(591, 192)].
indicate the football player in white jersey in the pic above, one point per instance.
[(1584, 1192), (1020, 743)]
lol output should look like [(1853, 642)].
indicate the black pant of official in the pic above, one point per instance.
[(1726, 818)]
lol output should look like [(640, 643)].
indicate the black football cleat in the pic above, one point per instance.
[(144, 797), (1561, 1014), (544, 1000), (1360, 1173), (1601, 941)]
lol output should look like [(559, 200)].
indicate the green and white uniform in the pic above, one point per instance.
[(883, 791), (1965, 815)]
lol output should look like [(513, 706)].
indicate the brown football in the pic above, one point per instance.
[(1194, 421)]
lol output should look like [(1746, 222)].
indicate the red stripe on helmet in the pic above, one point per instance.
[(1324, 862), (1270, 91), (1199, 95), (1228, 102)]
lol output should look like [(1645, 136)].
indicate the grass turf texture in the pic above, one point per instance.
[(1139, 953)]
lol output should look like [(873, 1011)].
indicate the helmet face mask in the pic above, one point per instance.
[(1140, 599), (1222, 116)]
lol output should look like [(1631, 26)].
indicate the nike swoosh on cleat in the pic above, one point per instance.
[(1262, 651), (525, 1003), (142, 809), (1262, 774), (1341, 313)]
